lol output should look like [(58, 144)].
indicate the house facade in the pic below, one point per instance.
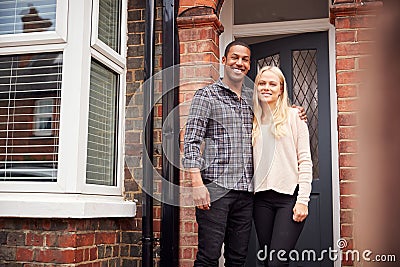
[(74, 104)]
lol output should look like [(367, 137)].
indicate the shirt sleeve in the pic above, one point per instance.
[(304, 161), (196, 127)]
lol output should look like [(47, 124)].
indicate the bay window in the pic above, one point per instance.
[(62, 82)]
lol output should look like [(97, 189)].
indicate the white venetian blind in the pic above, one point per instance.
[(30, 93), (109, 23), (24, 16), (103, 117)]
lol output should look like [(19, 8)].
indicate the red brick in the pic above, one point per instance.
[(24, 254), (348, 174), (348, 160), (33, 239), (186, 253), (190, 35), (345, 63), (353, 49), (346, 90), (348, 188), (346, 105), (348, 202), (348, 147), (55, 256), (187, 213), (105, 238), (83, 240), (67, 240), (188, 227), (342, 23), (79, 255), (348, 77), (346, 230), (345, 36), (348, 133), (93, 253), (188, 240), (346, 216), (347, 119)]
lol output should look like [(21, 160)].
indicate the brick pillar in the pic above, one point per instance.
[(199, 31), (354, 20)]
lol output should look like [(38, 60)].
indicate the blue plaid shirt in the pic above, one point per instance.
[(218, 136)]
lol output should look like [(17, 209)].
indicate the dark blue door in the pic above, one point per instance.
[(304, 60)]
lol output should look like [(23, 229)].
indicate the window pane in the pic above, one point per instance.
[(24, 16), (101, 149), (109, 23), (30, 93), (273, 60), (305, 94)]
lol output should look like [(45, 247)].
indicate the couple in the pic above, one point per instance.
[(225, 194)]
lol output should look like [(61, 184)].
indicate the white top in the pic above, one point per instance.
[(280, 164)]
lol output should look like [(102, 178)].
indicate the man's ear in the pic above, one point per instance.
[(223, 60)]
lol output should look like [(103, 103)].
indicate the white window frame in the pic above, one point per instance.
[(33, 38), (100, 46), (70, 196)]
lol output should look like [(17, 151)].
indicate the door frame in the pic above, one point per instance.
[(292, 27)]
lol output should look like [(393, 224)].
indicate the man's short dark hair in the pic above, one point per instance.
[(233, 43)]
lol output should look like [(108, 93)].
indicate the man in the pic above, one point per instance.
[(221, 117)]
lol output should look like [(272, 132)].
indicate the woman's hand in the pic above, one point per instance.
[(300, 212)]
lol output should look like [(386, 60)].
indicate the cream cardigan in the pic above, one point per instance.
[(283, 163)]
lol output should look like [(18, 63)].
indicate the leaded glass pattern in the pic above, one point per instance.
[(305, 94), (273, 60)]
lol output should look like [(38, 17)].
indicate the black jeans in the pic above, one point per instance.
[(276, 230), (228, 221)]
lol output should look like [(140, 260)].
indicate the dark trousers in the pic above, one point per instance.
[(228, 221), (273, 218)]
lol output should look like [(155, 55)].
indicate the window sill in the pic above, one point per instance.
[(40, 205)]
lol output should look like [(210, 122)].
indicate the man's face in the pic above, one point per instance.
[(237, 63)]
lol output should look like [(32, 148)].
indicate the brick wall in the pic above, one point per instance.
[(354, 22), (131, 253), (62, 242)]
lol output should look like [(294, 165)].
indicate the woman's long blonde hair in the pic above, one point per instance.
[(280, 114)]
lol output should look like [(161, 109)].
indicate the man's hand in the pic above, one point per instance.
[(201, 196), (302, 113)]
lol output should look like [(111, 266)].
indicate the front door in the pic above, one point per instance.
[(304, 61)]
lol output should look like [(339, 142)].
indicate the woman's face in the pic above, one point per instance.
[(269, 87)]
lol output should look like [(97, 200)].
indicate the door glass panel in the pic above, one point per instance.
[(305, 94), (273, 60)]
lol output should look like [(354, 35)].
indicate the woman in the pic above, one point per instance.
[(283, 167)]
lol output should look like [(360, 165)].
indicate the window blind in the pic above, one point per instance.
[(109, 23), (30, 93), (24, 16), (103, 117)]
